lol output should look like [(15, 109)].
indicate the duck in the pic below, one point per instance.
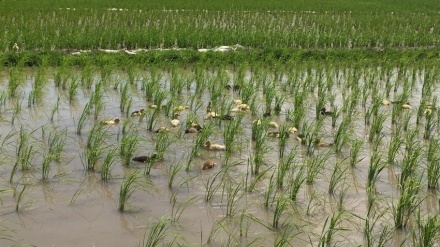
[(301, 138), (192, 130), (273, 134), (237, 101), (209, 164), (152, 106), (217, 147), (111, 121), (138, 112), (324, 112), (226, 117), (406, 106), (243, 107), (273, 124), (209, 107), (175, 121), (196, 125), (293, 130), (145, 158), (211, 115), (162, 130), (15, 47), (319, 143), (267, 113), (181, 108), (386, 102)]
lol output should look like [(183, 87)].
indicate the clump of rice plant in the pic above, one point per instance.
[(128, 187), (407, 203), (107, 164), (96, 139), (129, 143)]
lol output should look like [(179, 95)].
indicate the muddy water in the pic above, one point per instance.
[(76, 208)]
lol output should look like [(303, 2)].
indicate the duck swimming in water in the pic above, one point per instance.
[(217, 147), (209, 164), (111, 121), (324, 112), (145, 158), (138, 112)]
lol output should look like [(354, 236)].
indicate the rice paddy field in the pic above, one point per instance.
[(231, 123)]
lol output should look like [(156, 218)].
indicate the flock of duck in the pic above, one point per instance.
[(239, 106)]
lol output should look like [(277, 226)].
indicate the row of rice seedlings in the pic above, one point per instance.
[(128, 186), (25, 153)]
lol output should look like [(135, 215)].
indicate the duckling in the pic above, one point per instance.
[(267, 113), (228, 87), (196, 126), (237, 101), (226, 117), (386, 102), (181, 108), (301, 138), (152, 106), (111, 121), (406, 106), (273, 124), (209, 164), (161, 130), (217, 147), (324, 112), (137, 112), (211, 115), (209, 107), (319, 143), (244, 107), (175, 121), (144, 158), (273, 134), (428, 111), (293, 130), (192, 130), (15, 47)]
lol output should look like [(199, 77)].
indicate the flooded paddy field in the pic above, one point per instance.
[(314, 155)]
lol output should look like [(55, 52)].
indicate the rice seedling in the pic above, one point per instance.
[(394, 147), (96, 138), (259, 128), (356, 147), (428, 232), (212, 185), (178, 208), (128, 187), (283, 137), (125, 98), (377, 126), (296, 183), (20, 197), (429, 124), (47, 159), (14, 82), (314, 165), (327, 235), (172, 173), (163, 141), (234, 193), (151, 119), (342, 135), (230, 132), (279, 101), (107, 164), (73, 89), (269, 192), (407, 203), (280, 206), (376, 166), (128, 146), (337, 177), (157, 233), (409, 165), (433, 171), (284, 166), (82, 119)]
